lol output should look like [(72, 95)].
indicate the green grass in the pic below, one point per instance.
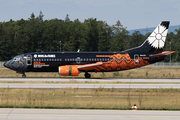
[(101, 98), (133, 73)]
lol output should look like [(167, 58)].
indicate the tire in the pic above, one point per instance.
[(87, 75), (23, 76)]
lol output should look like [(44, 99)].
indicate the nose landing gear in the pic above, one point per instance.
[(87, 75), (24, 75)]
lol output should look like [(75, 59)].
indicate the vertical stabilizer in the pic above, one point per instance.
[(155, 42), (158, 36)]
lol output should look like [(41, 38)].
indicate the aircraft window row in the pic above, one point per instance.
[(48, 59), (94, 59), (119, 59), (88, 59), (81, 59)]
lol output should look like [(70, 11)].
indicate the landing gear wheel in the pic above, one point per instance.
[(23, 76), (87, 75)]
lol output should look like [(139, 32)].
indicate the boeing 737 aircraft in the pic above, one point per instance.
[(72, 63)]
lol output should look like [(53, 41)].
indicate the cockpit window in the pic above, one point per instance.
[(16, 59)]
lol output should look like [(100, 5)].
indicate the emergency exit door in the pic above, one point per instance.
[(136, 59), (29, 60)]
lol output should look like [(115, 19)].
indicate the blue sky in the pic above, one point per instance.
[(133, 14)]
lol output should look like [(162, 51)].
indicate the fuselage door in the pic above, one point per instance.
[(136, 59), (28, 59)]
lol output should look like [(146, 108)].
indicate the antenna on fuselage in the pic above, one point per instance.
[(78, 50)]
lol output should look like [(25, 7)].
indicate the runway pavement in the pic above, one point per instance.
[(141, 83), (54, 114), (88, 86), (145, 80)]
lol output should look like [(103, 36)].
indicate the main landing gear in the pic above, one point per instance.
[(24, 75), (87, 75)]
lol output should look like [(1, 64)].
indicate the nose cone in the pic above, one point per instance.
[(6, 64)]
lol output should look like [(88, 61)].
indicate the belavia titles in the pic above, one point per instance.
[(72, 63)]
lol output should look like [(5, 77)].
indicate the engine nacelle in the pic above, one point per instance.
[(68, 71)]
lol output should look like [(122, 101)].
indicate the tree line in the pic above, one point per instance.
[(38, 35)]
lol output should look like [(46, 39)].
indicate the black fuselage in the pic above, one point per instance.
[(50, 61)]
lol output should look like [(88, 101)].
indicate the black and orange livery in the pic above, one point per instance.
[(72, 63)]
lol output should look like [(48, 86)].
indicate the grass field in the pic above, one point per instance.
[(133, 73), (145, 99)]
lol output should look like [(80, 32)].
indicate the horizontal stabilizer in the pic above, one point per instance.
[(165, 53)]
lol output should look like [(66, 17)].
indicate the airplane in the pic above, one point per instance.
[(72, 63)]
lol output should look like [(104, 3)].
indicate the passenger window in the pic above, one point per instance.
[(52, 59), (44, 59), (58, 59)]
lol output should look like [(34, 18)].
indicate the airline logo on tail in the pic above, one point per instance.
[(158, 36)]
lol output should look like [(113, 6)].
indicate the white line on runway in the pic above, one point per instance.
[(149, 80), (54, 114), (88, 86)]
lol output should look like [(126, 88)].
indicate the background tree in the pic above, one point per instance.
[(117, 42), (39, 35)]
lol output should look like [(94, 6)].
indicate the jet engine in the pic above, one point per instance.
[(68, 71)]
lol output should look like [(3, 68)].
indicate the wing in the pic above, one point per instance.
[(93, 66)]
